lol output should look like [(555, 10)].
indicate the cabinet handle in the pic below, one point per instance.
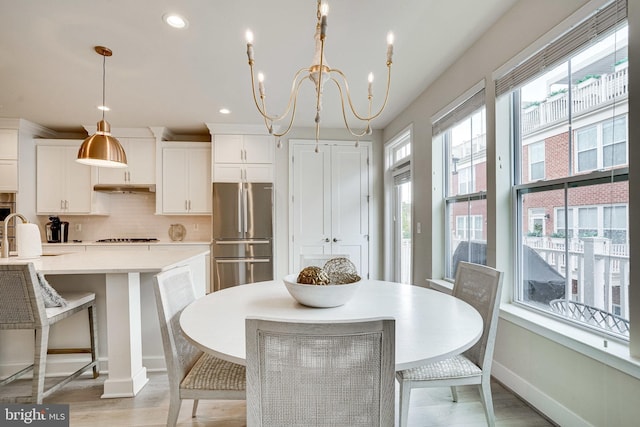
[(186, 205), (327, 240), (189, 204), (335, 240), (61, 204)]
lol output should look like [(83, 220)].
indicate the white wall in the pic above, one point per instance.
[(571, 388)]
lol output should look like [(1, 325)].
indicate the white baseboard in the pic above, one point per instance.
[(536, 398)]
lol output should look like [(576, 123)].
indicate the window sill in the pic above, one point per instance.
[(615, 354)]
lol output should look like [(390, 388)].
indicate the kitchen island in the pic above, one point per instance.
[(121, 274)]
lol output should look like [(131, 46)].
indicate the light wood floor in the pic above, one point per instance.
[(429, 407)]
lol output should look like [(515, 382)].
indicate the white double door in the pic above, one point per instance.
[(330, 202)]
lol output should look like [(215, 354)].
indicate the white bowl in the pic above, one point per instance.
[(321, 296)]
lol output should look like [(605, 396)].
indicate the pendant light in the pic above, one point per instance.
[(101, 149)]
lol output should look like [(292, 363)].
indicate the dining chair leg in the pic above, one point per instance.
[(39, 364), (405, 396), (487, 402), (195, 408), (174, 409), (454, 393)]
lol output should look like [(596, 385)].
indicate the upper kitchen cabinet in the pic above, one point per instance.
[(243, 158), (186, 178), (8, 160), (141, 154), (64, 186)]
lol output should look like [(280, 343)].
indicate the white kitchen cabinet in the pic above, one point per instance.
[(242, 173), (186, 179), (247, 158), (8, 160), (8, 176), (64, 186), (140, 163)]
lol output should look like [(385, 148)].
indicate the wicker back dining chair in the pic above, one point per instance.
[(22, 307), (320, 374), (192, 373), (480, 286)]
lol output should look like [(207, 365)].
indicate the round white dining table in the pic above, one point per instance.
[(430, 325)]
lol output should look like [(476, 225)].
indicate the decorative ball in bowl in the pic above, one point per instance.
[(320, 296)]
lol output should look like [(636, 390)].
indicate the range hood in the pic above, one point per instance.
[(125, 188)]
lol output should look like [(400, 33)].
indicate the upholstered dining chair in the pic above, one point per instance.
[(320, 374), (192, 373), (22, 307), (479, 286)]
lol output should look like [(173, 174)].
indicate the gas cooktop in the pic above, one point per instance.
[(127, 240)]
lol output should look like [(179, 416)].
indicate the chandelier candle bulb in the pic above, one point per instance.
[(370, 79), (261, 84), (249, 37), (389, 47)]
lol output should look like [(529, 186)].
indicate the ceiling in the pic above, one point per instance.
[(180, 79)]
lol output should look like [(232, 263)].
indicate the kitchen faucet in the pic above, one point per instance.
[(5, 239)]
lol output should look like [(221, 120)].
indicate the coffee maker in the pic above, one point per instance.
[(57, 231)]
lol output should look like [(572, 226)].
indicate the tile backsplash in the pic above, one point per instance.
[(132, 215)]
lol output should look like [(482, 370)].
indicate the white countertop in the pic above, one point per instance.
[(143, 261), (94, 243)]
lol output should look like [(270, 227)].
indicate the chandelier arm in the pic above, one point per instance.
[(344, 113), (293, 112), (263, 110), (353, 110)]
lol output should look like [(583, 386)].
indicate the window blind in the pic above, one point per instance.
[(602, 21), (459, 113), (402, 177)]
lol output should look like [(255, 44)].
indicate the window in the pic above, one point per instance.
[(399, 194), (469, 227), (462, 131), (569, 109), (602, 145), (536, 161)]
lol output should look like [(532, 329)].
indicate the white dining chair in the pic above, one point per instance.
[(22, 307), (320, 374), (192, 373), (480, 286)]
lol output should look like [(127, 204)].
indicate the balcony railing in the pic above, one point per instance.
[(585, 96), (598, 270)]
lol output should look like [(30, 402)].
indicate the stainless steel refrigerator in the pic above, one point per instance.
[(242, 244)]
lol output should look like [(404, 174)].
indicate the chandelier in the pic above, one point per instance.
[(318, 73)]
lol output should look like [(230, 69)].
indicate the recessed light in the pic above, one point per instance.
[(225, 111), (175, 20)]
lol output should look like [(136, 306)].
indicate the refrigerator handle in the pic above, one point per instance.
[(240, 209), (246, 208)]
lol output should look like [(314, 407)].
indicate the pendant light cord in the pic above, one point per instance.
[(104, 62)]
